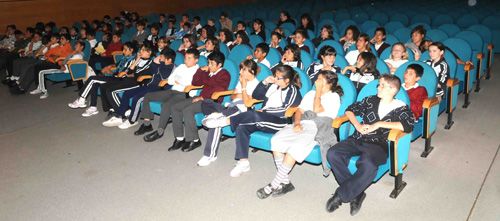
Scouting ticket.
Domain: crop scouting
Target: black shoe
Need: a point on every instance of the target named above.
(333, 203)
(283, 189)
(143, 129)
(152, 136)
(189, 146)
(6, 81)
(176, 145)
(11, 83)
(261, 193)
(17, 90)
(356, 203)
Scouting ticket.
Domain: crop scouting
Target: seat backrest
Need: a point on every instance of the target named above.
(474, 39)
(391, 39)
(224, 49)
(179, 59)
(304, 80)
(382, 67)
(274, 56)
(86, 51)
(264, 72)
(288, 26)
(341, 61)
(400, 18)
(441, 19)
(78, 69)
(450, 29)
(482, 30)
(175, 44)
(403, 34)
(349, 93)
(240, 53)
(310, 45)
(436, 35)
(306, 59)
(371, 89)
(392, 26)
(202, 61)
(255, 39)
(335, 44)
(421, 18)
(380, 17)
(346, 23)
(428, 79)
(234, 71)
(467, 20)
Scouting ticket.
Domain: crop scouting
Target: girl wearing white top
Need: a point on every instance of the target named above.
(398, 57)
(295, 142)
(241, 94)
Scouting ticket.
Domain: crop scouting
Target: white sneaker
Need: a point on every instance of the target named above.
(44, 95)
(216, 122)
(205, 161)
(127, 113)
(126, 125)
(211, 116)
(241, 167)
(36, 91)
(78, 103)
(113, 122)
(90, 111)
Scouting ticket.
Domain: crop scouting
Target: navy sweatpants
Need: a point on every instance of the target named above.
(132, 99)
(370, 157)
(248, 122)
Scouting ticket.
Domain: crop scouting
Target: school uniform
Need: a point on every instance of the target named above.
(352, 57)
(236, 106)
(315, 67)
(140, 37)
(293, 64)
(381, 47)
(305, 48)
(183, 122)
(371, 148)
(270, 120)
(442, 72)
(180, 77)
(394, 63)
(264, 61)
(417, 95)
(41, 74)
(360, 79)
(300, 144)
(261, 33)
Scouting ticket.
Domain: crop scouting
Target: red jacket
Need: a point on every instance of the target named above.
(112, 47)
(218, 82)
(417, 96)
(61, 51)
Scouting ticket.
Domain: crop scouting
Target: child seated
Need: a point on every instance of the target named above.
(378, 40)
(260, 54)
(416, 92)
(398, 57)
(440, 66)
(363, 71)
(299, 37)
(275, 41)
(380, 113)
(350, 37)
(327, 56)
(291, 57)
(362, 45)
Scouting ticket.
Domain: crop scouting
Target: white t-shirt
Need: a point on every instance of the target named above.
(384, 109)
(330, 102)
(264, 62)
(394, 63)
(352, 57)
(183, 76)
(251, 85)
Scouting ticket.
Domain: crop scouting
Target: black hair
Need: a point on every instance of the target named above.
(370, 62)
(169, 53)
(216, 56)
(191, 38)
(263, 46)
(310, 23)
(277, 35)
(251, 65)
(194, 52)
(12, 26)
(17, 32)
(141, 23)
(66, 36)
(155, 26)
(82, 43)
(302, 32)
(355, 32)
(333, 79)
(197, 18)
(90, 32)
(261, 23)
(131, 45)
(228, 34)
(148, 46)
(224, 14)
(419, 29)
(214, 41)
(295, 50)
(242, 23)
(244, 37)
(380, 29)
(439, 45)
(288, 73)
(326, 51)
(187, 24)
(419, 70)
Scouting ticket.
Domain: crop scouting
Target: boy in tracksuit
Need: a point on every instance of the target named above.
(160, 70)
(380, 114)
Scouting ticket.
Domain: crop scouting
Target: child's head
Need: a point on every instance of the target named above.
(351, 33)
(64, 39)
(327, 32)
(362, 43)
(129, 48)
(418, 34)
(185, 17)
(79, 46)
(330, 81)
(300, 36)
(292, 53)
(215, 61)
(162, 43)
(54, 38)
(398, 52)
(191, 57)
(189, 41)
(196, 20)
(413, 74)
(275, 37)
(167, 56)
(436, 51)
(90, 35)
(284, 15)
(37, 36)
(186, 27)
(223, 16)
(154, 29)
(146, 50)
(116, 37)
(225, 35)
(285, 75)
(258, 25)
(240, 26)
(261, 51)
(73, 31)
(367, 62)
(212, 44)
(242, 38)
(249, 69)
(379, 34)
(305, 20)
(83, 33)
(388, 86)
(327, 55)
(140, 25)
(211, 22)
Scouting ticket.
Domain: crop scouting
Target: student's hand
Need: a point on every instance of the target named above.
(297, 128)
(63, 68)
(249, 57)
(270, 80)
(417, 56)
(196, 99)
(368, 128)
(388, 65)
(204, 68)
(319, 85)
(342, 39)
(157, 60)
(243, 82)
(349, 68)
(372, 41)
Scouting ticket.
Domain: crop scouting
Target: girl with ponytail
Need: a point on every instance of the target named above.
(311, 125)
(278, 93)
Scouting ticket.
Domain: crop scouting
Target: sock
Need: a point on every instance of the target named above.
(179, 138)
(278, 162)
(147, 123)
(196, 140)
(160, 131)
(281, 176)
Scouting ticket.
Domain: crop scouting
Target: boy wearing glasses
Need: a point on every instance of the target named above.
(379, 113)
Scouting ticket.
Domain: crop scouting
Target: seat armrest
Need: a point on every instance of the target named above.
(218, 94)
(291, 111)
(144, 77)
(337, 122)
(191, 87)
(252, 102)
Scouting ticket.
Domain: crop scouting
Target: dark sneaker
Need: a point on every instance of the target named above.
(261, 193)
(176, 145)
(333, 203)
(143, 129)
(283, 189)
(356, 203)
(152, 136)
